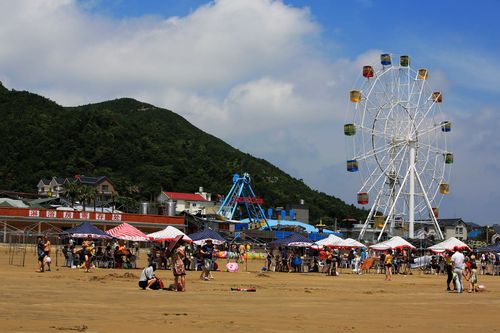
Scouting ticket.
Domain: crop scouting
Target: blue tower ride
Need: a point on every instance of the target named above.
(242, 200)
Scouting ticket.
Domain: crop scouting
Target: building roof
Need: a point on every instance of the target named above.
(450, 222)
(91, 180)
(184, 196)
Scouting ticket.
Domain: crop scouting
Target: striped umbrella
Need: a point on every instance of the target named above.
(127, 232)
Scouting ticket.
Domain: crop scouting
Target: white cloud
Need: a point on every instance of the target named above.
(251, 72)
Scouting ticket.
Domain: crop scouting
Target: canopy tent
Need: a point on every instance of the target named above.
(329, 241)
(199, 238)
(395, 242)
(350, 244)
(294, 240)
(491, 248)
(84, 230)
(168, 234)
(127, 232)
(449, 245)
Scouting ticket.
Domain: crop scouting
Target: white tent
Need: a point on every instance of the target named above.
(329, 241)
(448, 245)
(350, 243)
(168, 234)
(395, 242)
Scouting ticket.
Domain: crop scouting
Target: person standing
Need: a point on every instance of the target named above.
(46, 250)
(40, 254)
(449, 270)
(458, 265)
(388, 265)
(178, 267)
(207, 251)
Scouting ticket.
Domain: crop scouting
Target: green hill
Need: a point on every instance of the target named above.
(135, 144)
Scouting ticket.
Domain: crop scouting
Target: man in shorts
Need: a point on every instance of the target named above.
(207, 251)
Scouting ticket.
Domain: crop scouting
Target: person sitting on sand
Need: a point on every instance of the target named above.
(148, 280)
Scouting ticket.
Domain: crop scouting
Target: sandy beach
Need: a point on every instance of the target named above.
(109, 300)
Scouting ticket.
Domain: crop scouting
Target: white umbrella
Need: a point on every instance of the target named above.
(350, 243)
(168, 234)
(395, 242)
(448, 245)
(329, 241)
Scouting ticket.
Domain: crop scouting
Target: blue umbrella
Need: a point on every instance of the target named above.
(490, 248)
(292, 240)
(207, 234)
(84, 230)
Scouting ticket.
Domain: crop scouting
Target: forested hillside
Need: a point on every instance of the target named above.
(140, 147)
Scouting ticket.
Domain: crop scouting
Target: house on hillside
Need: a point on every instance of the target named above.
(51, 187)
(453, 228)
(55, 187)
(193, 203)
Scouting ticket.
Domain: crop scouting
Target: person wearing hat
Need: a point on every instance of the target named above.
(473, 275)
(207, 251)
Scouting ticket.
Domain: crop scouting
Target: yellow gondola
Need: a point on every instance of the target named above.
(444, 188)
(422, 74)
(355, 96)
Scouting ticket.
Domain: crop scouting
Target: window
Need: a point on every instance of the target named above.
(105, 188)
(459, 230)
(193, 204)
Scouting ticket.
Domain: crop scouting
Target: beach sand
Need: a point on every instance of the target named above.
(109, 300)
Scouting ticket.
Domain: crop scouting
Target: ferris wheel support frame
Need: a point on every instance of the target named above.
(411, 205)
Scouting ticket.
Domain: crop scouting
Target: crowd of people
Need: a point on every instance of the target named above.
(461, 269)
(105, 254)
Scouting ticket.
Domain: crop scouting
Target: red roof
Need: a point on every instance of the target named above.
(184, 196)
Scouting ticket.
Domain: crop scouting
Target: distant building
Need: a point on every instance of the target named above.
(55, 187)
(51, 187)
(192, 203)
(453, 228)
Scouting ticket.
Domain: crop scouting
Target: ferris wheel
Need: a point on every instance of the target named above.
(396, 140)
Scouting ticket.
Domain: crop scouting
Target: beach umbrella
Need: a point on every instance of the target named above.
(448, 245)
(491, 248)
(168, 234)
(199, 238)
(395, 242)
(128, 232)
(294, 240)
(84, 230)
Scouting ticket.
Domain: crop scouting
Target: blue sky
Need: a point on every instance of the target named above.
(282, 68)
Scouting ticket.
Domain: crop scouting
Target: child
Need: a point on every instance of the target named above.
(473, 275)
